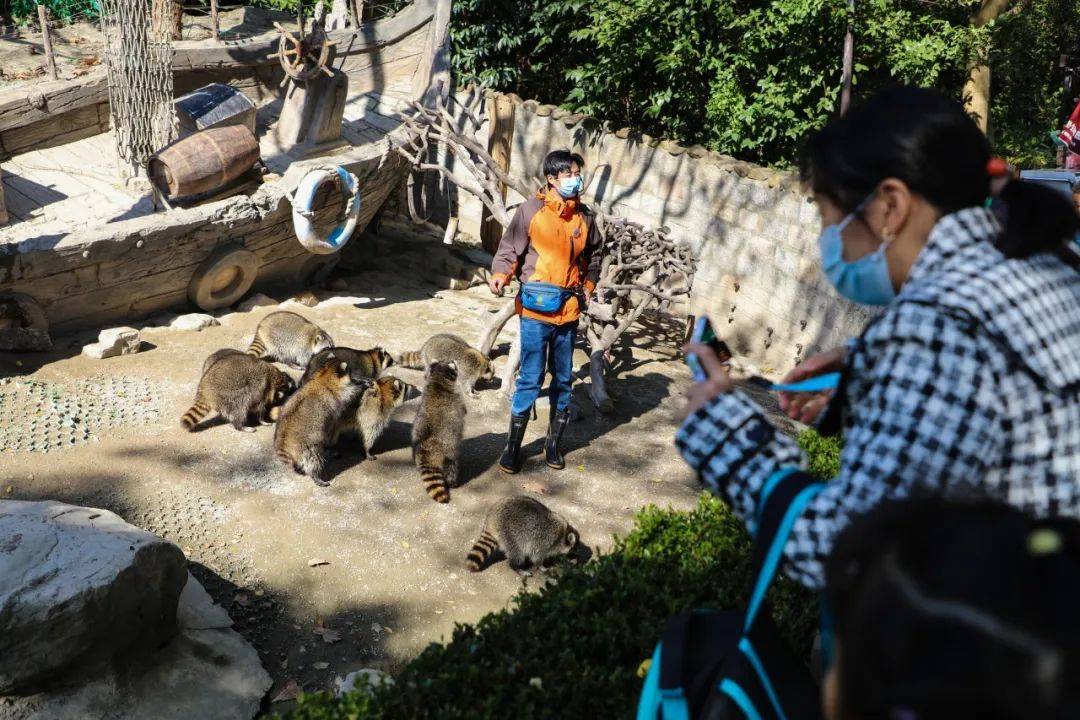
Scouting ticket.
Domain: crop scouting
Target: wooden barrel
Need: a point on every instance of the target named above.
(205, 161)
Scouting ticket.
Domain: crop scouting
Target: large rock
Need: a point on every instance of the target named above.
(193, 321)
(78, 587)
(114, 342)
(208, 672)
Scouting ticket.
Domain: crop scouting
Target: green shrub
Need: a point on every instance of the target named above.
(26, 10)
(574, 647)
(823, 452)
(753, 77)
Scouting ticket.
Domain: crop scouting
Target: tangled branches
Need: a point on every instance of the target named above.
(642, 269)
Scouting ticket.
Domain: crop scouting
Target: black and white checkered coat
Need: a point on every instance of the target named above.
(968, 383)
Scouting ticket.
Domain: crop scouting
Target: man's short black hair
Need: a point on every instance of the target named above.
(558, 161)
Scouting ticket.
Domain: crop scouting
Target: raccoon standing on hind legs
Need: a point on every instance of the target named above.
(471, 364)
(437, 431)
(370, 414)
(529, 534)
(308, 422)
(288, 338)
(240, 388)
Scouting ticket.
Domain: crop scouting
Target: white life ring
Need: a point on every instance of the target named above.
(303, 214)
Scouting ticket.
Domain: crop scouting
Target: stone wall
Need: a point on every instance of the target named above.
(753, 228)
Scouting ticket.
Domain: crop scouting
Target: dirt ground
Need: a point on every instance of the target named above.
(394, 578)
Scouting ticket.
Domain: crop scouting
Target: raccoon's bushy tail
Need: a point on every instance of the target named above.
(481, 551)
(257, 347)
(195, 414)
(435, 483)
(411, 359)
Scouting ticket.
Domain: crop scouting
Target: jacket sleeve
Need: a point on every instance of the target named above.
(514, 243)
(594, 255)
(928, 421)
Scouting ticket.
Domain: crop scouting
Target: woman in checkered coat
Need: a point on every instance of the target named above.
(968, 382)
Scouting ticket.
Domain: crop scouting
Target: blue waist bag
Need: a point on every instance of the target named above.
(544, 297)
(734, 665)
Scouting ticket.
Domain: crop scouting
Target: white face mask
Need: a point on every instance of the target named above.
(570, 187)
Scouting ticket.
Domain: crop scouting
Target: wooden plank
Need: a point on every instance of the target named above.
(46, 100)
(74, 125)
(39, 169)
(18, 203)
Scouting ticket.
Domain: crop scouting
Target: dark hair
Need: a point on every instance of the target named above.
(926, 140)
(949, 610)
(558, 161)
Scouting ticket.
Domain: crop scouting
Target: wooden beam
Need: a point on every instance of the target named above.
(3, 207)
(214, 24)
(500, 142)
(50, 59)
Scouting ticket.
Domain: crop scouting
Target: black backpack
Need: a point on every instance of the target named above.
(723, 665)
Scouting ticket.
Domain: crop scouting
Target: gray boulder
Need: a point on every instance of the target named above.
(78, 587)
(208, 672)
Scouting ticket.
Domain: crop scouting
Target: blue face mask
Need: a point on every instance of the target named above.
(570, 187)
(866, 280)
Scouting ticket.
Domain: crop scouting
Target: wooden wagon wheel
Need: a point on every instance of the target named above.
(305, 57)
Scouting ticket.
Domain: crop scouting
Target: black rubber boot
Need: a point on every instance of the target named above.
(556, 425)
(510, 462)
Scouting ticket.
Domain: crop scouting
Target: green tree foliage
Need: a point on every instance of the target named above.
(753, 77)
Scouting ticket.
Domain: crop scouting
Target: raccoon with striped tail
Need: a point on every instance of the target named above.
(371, 362)
(288, 338)
(240, 388)
(308, 422)
(369, 415)
(437, 431)
(528, 532)
(472, 365)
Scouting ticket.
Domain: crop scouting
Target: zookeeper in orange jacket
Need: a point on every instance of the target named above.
(550, 241)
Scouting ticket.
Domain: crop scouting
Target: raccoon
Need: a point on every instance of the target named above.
(288, 338)
(372, 362)
(242, 389)
(472, 365)
(309, 419)
(527, 531)
(437, 431)
(369, 415)
(217, 355)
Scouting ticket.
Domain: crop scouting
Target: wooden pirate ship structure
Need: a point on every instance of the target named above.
(90, 251)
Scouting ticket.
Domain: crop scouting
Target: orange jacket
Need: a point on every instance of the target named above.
(551, 240)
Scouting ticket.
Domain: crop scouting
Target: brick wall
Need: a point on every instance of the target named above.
(753, 228)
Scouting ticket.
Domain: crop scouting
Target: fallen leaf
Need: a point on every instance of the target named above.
(241, 599)
(316, 562)
(534, 487)
(260, 593)
(9, 489)
(405, 544)
(291, 691)
(320, 665)
(328, 636)
(643, 668)
(581, 468)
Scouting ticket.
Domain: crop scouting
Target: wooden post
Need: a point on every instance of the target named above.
(214, 19)
(500, 137)
(49, 58)
(3, 208)
(300, 19)
(849, 61)
(358, 12)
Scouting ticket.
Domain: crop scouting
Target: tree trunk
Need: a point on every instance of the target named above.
(977, 87)
(500, 136)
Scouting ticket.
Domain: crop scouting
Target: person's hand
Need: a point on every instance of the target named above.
(717, 382)
(805, 407)
(496, 283)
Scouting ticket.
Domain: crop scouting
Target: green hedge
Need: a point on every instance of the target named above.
(574, 648)
(823, 453)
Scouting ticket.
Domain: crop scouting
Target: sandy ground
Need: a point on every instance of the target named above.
(395, 579)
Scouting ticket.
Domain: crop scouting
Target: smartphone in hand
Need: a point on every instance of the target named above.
(705, 335)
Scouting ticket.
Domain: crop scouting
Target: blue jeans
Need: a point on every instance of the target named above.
(544, 344)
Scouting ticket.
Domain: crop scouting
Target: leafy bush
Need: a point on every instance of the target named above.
(753, 77)
(574, 647)
(823, 452)
(22, 10)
